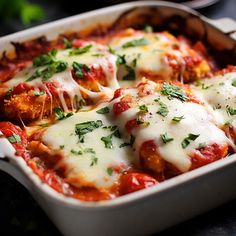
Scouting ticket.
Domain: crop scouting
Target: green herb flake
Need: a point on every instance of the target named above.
(111, 50)
(9, 92)
(60, 114)
(61, 147)
(67, 43)
(166, 138)
(201, 145)
(109, 171)
(45, 59)
(163, 109)
(44, 125)
(173, 91)
(177, 119)
(86, 127)
(15, 138)
(94, 161)
(79, 69)
(231, 111)
(130, 73)
(135, 43)
(120, 60)
(234, 83)
(143, 108)
(89, 150)
(131, 142)
(76, 152)
(187, 140)
(79, 51)
(39, 93)
(103, 110)
(107, 141)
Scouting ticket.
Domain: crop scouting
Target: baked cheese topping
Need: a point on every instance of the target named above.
(148, 53)
(194, 121)
(219, 95)
(94, 158)
(94, 56)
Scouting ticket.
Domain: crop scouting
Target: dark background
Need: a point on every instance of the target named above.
(20, 214)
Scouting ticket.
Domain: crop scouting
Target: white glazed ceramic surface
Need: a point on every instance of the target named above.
(140, 213)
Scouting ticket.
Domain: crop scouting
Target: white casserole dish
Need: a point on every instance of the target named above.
(147, 211)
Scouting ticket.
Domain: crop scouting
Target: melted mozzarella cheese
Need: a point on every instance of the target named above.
(150, 57)
(219, 95)
(80, 170)
(196, 121)
(97, 57)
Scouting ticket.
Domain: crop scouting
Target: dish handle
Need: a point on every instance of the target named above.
(8, 162)
(226, 25)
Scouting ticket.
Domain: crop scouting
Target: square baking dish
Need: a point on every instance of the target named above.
(151, 210)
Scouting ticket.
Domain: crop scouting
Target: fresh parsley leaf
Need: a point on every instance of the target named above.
(188, 139)
(94, 161)
(130, 73)
(15, 138)
(9, 92)
(67, 43)
(143, 108)
(103, 110)
(44, 125)
(39, 93)
(177, 119)
(61, 147)
(76, 152)
(107, 141)
(131, 142)
(79, 69)
(234, 83)
(163, 110)
(166, 138)
(45, 59)
(89, 150)
(111, 50)
(60, 114)
(231, 111)
(86, 127)
(111, 128)
(135, 43)
(49, 71)
(173, 91)
(109, 171)
(120, 60)
(79, 51)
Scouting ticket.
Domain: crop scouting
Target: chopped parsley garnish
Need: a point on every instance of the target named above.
(86, 127)
(143, 108)
(103, 110)
(109, 171)
(79, 102)
(111, 128)
(187, 140)
(205, 87)
(111, 50)
(173, 91)
(148, 29)
(135, 43)
(39, 93)
(231, 111)
(94, 160)
(107, 141)
(45, 59)
(120, 60)
(60, 114)
(79, 51)
(49, 71)
(61, 147)
(166, 138)
(177, 119)
(130, 73)
(89, 150)
(76, 152)
(98, 55)
(201, 145)
(234, 83)
(79, 69)
(15, 138)
(131, 142)
(163, 110)
(67, 43)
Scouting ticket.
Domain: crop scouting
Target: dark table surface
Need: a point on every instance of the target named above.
(20, 214)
